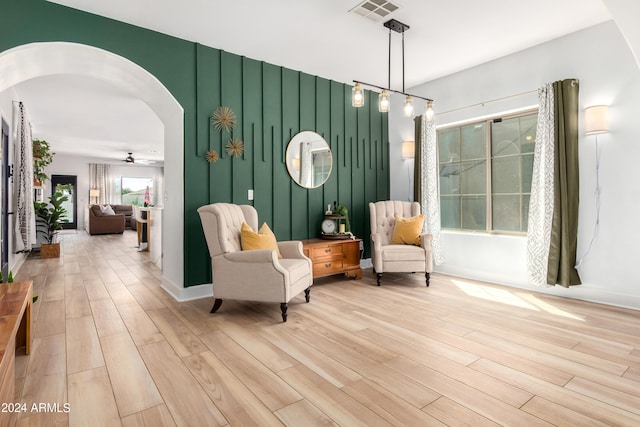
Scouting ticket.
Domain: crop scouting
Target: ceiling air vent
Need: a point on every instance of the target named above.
(375, 10)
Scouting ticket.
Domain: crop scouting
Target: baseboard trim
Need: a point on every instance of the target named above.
(182, 294)
(584, 292)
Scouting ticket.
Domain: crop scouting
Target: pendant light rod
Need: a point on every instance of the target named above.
(402, 62)
(391, 90)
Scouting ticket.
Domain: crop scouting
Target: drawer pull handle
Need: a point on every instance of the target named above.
(328, 265)
(327, 250)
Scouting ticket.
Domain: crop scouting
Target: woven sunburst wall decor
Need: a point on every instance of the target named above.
(224, 119)
(212, 156)
(235, 147)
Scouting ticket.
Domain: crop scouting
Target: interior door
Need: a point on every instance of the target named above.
(66, 184)
(4, 201)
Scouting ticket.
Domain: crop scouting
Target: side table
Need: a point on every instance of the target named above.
(334, 257)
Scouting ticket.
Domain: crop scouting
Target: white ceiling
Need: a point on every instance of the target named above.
(318, 37)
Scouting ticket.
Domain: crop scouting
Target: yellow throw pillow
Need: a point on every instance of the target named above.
(263, 239)
(407, 230)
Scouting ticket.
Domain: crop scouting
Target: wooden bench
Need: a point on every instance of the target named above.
(15, 332)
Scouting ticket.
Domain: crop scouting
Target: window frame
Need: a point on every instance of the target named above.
(489, 158)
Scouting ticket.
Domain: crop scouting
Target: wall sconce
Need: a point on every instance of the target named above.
(94, 193)
(408, 150)
(296, 163)
(596, 119)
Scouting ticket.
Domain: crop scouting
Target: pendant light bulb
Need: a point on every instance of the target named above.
(429, 112)
(383, 102)
(357, 96)
(408, 106)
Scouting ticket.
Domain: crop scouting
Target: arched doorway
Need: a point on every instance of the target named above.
(42, 59)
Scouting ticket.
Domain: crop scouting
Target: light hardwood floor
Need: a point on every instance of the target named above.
(110, 343)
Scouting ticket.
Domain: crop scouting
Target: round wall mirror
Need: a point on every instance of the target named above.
(309, 159)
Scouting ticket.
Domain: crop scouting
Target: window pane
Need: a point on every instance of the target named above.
(474, 143)
(506, 213)
(450, 212)
(528, 132)
(527, 172)
(505, 137)
(505, 175)
(450, 178)
(474, 212)
(135, 191)
(449, 145)
(525, 212)
(473, 177)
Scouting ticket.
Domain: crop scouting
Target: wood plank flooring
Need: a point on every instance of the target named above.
(118, 350)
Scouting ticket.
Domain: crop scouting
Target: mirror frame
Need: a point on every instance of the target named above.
(294, 143)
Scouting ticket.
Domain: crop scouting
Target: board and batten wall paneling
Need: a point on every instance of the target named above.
(272, 104)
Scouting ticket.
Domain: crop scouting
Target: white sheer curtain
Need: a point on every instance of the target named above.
(429, 199)
(99, 179)
(25, 222)
(542, 191)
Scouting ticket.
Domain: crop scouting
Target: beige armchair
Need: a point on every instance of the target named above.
(397, 258)
(255, 275)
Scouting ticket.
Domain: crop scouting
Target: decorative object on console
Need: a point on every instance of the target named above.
(357, 94)
(224, 119)
(235, 147)
(212, 156)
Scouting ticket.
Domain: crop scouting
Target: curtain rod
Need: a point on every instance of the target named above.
(481, 104)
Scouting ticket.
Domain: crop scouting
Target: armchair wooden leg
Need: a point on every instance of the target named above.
(283, 308)
(216, 305)
(428, 277)
(307, 291)
(378, 278)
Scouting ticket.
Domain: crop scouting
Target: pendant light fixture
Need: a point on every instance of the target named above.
(384, 104)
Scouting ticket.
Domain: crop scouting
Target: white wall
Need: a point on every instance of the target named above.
(64, 164)
(601, 59)
(6, 112)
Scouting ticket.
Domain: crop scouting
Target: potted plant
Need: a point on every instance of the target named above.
(42, 157)
(49, 219)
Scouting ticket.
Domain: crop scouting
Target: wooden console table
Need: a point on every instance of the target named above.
(334, 257)
(15, 332)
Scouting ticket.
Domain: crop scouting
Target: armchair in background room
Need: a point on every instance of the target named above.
(253, 275)
(411, 256)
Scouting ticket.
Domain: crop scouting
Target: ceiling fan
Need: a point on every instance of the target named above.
(131, 160)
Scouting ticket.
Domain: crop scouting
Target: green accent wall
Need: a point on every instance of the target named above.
(271, 103)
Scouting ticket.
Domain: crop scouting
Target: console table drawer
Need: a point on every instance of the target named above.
(329, 251)
(327, 267)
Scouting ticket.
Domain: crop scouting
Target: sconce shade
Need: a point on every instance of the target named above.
(408, 150)
(429, 112)
(596, 119)
(94, 192)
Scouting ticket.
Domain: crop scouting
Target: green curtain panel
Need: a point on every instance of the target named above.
(564, 232)
(417, 160)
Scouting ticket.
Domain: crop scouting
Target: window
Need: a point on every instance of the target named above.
(135, 191)
(485, 173)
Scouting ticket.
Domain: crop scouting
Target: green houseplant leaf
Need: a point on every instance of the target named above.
(50, 216)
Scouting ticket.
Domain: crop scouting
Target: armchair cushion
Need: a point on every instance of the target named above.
(407, 230)
(263, 239)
